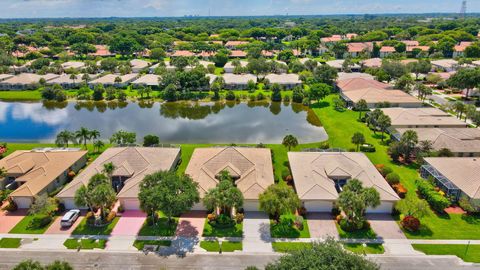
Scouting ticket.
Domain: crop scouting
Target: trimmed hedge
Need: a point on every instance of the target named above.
(433, 197)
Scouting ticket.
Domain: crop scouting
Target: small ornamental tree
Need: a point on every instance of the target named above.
(224, 196)
(279, 200)
(290, 141)
(413, 209)
(358, 139)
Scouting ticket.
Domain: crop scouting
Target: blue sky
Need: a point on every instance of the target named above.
(148, 8)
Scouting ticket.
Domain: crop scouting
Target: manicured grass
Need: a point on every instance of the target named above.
(139, 244)
(85, 243)
(162, 228)
(10, 242)
(227, 246)
(279, 230)
(359, 234)
(27, 95)
(369, 249)
(84, 229)
(472, 254)
(340, 127)
(22, 227)
(286, 247)
(235, 231)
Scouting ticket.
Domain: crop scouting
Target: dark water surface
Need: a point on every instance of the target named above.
(185, 122)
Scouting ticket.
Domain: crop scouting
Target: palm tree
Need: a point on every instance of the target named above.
(86, 77)
(64, 137)
(358, 139)
(83, 135)
(97, 145)
(108, 169)
(73, 77)
(290, 141)
(94, 134)
(383, 122)
(148, 91)
(361, 106)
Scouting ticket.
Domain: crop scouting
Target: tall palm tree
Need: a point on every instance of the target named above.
(64, 138)
(86, 77)
(97, 145)
(108, 169)
(94, 134)
(83, 135)
(73, 77)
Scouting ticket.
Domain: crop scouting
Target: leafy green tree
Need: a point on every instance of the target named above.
(279, 200)
(98, 145)
(319, 91)
(361, 106)
(169, 192)
(224, 196)
(81, 49)
(404, 83)
(170, 93)
(290, 141)
(64, 138)
(473, 51)
(124, 45)
(358, 139)
(325, 74)
(150, 140)
(419, 67)
(29, 265)
(157, 54)
(276, 92)
(98, 91)
(465, 79)
(394, 69)
(323, 255)
(220, 59)
(122, 137)
(408, 142)
(43, 205)
(59, 265)
(97, 194)
(354, 201)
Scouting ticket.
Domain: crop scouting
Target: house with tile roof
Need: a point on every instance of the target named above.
(25, 81)
(250, 168)
(320, 176)
(39, 171)
(132, 164)
(422, 118)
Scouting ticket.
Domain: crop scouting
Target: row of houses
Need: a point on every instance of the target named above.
(318, 177)
(25, 81)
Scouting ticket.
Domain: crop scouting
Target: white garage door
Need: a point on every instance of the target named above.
(198, 207)
(22, 203)
(318, 206)
(130, 204)
(250, 206)
(384, 207)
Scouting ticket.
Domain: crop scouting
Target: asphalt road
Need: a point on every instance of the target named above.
(103, 260)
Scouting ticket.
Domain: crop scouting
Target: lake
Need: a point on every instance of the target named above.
(180, 122)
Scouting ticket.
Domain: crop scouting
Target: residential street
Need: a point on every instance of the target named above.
(95, 260)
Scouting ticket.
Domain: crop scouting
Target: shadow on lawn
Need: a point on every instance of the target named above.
(320, 105)
(471, 219)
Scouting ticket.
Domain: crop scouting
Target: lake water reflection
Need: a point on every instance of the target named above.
(186, 122)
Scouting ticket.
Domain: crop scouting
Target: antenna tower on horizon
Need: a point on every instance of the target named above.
(463, 10)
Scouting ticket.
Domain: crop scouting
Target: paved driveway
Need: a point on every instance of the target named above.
(191, 224)
(322, 225)
(9, 220)
(130, 223)
(55, 228)
(385, 226)
(256, 232)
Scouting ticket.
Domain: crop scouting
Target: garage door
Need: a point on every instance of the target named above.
(23, 203)
(198, 207)
(130, 204)
(250, 206)
(69, 204)
(384, 207)
(318, 206)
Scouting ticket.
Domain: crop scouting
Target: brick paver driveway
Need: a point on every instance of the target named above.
(321, 225)
(191, 224)
(130, 223)
(55, 228)
(9, 220)
(385, 226)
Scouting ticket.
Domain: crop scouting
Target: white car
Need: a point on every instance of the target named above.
(69, 218)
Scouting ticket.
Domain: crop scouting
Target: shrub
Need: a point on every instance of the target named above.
(285, 173)
(111, 216)
(239, 218)
(39, 222)
(393, 178)
(324, 145)
(302, 211)
(211, 217)
(400, 190)
(347, 226)
(4, 195)
(465, 204)
(369, 148)
(121, 209)
(286, 99)
(299, 222)
(289, 179)
(386, 171)
(287, 220)
(410, 223)
(436, 200)
(338, 218)
(223, 221)
(260, 96)
(230, 96)
(11, 206)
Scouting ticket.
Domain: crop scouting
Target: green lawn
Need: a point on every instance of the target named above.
(139, 244)
(359, 234)
(472, 254)
(286, 247)
(26, 95)
(209, 230)
(340, 127)
(85, 243)
(84, 229)
(22, 227)
(369, 249)
(10, 242)
(162, 228)
(279, 230)
(227, 246)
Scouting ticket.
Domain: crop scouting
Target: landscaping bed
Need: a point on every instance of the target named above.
(85, 243)
(10, 242)
(140, 244)
(84, 229)
(161, 228)
(287, 229)
(366, 233)
(470, 254)
(230, 231)
(227, 246)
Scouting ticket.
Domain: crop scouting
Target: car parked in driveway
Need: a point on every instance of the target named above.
(69, 218)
